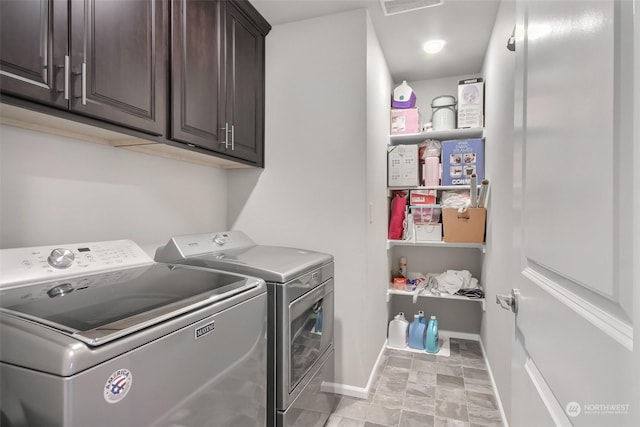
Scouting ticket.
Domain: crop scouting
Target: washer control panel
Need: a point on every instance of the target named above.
(31, 265)
(199, 244)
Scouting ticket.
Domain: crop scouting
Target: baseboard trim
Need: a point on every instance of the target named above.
(353, 391)
(493, 384)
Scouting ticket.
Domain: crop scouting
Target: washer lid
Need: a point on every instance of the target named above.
(100, 308)
(271, 263)
(234, 251)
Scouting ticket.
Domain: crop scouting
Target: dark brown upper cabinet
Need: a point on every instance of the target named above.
(196, 84)
(33, 46)
(118, 61)
(113, 66)
(245, 31)
(217, 62)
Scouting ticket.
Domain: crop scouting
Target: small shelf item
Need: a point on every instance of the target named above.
(441, 135)
(392, 291)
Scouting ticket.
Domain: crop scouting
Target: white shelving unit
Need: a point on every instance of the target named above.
(441, 135)
(435, 244)
(408, 139)
(391, 291)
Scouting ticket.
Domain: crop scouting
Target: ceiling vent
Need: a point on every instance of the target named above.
(393, 7)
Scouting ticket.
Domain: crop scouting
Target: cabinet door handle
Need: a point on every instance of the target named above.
(67, 76)
(84, 83)
(226, 135)
(233, 137)
(83, 76)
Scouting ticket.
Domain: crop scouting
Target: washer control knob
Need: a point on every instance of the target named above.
(60, 290)
(61, 258)
(220, 239)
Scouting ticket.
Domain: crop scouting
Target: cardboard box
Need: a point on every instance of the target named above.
(471, 103)
(460, 159)
(428, 232)
(466, 227)
(403, 166)
(405, 120)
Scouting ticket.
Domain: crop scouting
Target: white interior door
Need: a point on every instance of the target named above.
(573, 356)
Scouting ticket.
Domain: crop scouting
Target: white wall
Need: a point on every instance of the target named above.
(313, 190)
(379, 86)
(636, 216)
(498, 326)
(56, 190)
(636, 208)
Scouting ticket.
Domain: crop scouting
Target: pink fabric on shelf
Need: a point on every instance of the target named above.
(396, 225)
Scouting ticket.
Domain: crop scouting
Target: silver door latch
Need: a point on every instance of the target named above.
(509, 302)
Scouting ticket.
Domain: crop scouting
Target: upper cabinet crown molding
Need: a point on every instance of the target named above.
(253, 15)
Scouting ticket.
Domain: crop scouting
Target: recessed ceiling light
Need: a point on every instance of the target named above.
(433, 46)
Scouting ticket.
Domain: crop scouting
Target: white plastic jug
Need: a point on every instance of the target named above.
(398, 331)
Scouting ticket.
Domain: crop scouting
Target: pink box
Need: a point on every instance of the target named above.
(405, 120)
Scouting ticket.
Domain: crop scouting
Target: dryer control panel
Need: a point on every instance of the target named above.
(189, 245)
(31, 265)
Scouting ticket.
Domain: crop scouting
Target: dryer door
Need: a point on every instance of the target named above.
(308, 334)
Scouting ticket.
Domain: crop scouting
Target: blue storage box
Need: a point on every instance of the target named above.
(460, 159)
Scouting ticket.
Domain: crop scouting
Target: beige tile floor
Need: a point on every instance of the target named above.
(420, 390)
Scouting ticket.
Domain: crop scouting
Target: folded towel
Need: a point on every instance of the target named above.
(452, 281)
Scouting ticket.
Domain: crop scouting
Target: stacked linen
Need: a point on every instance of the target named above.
(452, 281)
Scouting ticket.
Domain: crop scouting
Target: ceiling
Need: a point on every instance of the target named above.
(465, 24)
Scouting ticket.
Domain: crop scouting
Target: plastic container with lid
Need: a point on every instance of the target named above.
(403, 96)
(443, 115)
(398, 331)
(416, 333)
(432, 343)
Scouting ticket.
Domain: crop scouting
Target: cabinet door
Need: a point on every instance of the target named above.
(33, 45)
(118, 56)
(244, 84)
(196, 66)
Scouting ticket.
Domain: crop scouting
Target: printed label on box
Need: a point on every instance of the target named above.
(461, 159)
(423, 197)
(405, 120)
(471, 103)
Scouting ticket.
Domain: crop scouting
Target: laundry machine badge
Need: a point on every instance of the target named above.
(118, 385)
